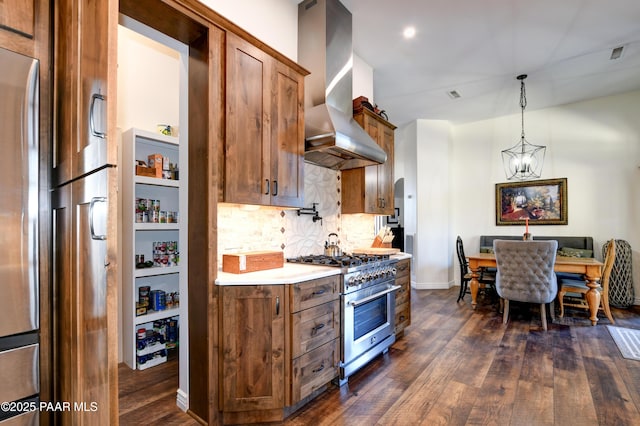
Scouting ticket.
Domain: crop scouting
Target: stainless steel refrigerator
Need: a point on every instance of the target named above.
(19, 274)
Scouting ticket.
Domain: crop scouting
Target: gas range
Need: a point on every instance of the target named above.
(358, 270)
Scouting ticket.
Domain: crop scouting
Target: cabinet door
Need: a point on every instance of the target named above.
(385, 171)
(81, 46)
(287, 137)
(247, 165)
(253, 333)
(17, 16)
(85, 360)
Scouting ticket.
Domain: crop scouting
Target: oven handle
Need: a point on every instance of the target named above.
(375, 296)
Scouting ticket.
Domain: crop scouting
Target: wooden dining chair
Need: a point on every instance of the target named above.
(525, 273)
(573, 292)
(485, 278)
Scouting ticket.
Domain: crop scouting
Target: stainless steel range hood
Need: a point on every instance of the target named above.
(332, 137)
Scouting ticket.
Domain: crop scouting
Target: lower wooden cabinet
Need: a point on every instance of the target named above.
(280, 344)
(253, 349)
(403, 296)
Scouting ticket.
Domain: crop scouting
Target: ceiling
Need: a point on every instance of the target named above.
(478, 47)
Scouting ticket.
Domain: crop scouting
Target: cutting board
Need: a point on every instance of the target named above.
(374, 250)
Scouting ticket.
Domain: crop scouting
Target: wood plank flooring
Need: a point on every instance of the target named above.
(457, 366)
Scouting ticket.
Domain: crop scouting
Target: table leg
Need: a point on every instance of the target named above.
(474, 285)
(593, 299)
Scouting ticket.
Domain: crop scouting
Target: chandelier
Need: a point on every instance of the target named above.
(523, 160)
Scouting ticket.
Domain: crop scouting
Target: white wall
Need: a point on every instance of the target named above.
(274, 22)
(594, 144)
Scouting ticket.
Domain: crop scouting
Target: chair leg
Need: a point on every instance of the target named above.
(560, 299)
(543, 316)
(463, 290)
(505, 315)
(605, 307)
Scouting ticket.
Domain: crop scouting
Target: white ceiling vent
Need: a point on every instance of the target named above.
(453, 94)
(616, 53)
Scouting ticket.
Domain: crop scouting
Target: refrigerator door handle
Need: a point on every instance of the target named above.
(92, 126)
(95, 200)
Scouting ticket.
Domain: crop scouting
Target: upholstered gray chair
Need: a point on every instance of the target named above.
(525, 273)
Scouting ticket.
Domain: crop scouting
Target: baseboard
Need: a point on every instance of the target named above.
(430, 286)
(182, 400)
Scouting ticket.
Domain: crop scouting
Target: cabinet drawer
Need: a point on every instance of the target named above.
(313, 370)
(403, 294)
(403, 267)
(307, 294)
(314, 327)
(403, 316)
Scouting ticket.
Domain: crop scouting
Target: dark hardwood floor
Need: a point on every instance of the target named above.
(457, 366)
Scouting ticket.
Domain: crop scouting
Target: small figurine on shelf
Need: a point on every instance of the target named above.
(527, 236)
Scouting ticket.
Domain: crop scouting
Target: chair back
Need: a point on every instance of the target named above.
(525, 270)
(462, 259)
(609, 259)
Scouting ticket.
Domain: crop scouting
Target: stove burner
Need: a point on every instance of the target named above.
(340, 261)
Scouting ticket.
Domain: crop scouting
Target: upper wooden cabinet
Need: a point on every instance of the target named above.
(370, 189)
(18, 16)
(264, 145)
(81, 65)
(24, 29)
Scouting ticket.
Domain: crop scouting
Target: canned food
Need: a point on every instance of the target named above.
(171, 217)
(171, 261)
(171, 247)
(155, 205)
(139, 217)
(145, 216)
(163, 216)
(141, 205)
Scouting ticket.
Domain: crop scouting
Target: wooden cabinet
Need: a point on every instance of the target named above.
(403, 296)
(264, 147)
(315, 335)
(24, 28)
(82, 51)
(280, 344)
(253, 359)
(85, 345)
(18, 16)
(370, 189)
(85, 273)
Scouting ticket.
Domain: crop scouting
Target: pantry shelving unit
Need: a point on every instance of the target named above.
(168, 272)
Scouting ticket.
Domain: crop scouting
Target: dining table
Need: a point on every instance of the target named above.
(587, 266)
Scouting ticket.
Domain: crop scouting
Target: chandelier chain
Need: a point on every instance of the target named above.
(523, 104)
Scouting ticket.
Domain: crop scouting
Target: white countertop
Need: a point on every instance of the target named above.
(290, 273)
(401, 256)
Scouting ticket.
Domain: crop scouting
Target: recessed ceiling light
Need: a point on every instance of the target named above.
(409, 32)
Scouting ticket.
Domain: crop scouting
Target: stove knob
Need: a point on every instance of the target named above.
(393, 272)
(351, 282)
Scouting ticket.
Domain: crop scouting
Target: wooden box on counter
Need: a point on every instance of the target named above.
(240, 263)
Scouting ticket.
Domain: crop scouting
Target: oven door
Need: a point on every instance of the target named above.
(368, 320)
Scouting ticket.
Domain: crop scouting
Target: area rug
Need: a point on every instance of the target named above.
(627, 340)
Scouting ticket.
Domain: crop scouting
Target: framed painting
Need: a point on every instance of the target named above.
(542, 202)
(394, 218)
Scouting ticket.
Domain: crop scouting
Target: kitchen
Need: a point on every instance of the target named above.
(442, 273)
(242, 228)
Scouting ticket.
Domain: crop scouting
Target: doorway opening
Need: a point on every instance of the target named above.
(153, 103)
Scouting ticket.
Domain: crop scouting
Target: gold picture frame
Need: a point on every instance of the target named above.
(543, 202)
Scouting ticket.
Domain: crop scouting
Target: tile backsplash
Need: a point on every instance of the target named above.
(249, 228)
